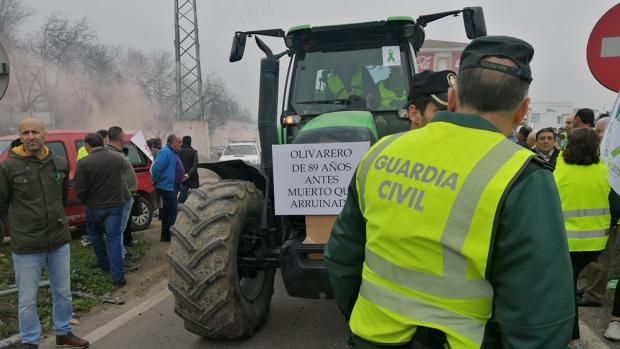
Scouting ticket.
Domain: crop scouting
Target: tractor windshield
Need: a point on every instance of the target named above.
(323, 81)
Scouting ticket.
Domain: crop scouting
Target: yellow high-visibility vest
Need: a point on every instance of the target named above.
(584, 193)
(430, 213)
(337, 88)
(82, 153)
(389, 97)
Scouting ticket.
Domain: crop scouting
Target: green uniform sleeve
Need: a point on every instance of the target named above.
(344, 253)
(530, 269)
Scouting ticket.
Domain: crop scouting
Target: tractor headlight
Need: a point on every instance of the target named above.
(292, 119)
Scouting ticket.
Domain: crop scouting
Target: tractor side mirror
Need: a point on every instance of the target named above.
(418, 38)
(473, 18)
(238, 47)
(4, 71)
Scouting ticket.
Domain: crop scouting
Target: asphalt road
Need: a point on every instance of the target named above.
(292, 323)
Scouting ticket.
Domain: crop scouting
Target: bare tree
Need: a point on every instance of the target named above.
(59, 39)
(62, 67)
(26, 74)
(12, 14)
(220, 105)
(154, 75)
(59, 48)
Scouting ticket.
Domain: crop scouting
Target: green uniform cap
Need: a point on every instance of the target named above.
(517, 50)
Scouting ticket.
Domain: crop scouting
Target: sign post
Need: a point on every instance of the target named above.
(603, 50)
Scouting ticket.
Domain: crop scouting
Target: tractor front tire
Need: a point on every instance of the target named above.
(211, 293)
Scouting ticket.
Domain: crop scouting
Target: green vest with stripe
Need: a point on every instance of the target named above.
(584, 193)
(430, 198)
(338, 89)
(389, 97)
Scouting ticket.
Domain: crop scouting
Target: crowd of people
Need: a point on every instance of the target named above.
(572, 152)
(488, 256)
(33, 189)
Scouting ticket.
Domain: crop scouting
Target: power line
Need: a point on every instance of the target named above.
(269, 9)
(223, 14)
(252, 14)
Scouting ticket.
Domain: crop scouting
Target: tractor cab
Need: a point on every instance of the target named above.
(356, 72)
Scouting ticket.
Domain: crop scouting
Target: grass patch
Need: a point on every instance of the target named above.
(83, 278)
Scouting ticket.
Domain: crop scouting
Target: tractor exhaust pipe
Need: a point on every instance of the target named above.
(267, 115)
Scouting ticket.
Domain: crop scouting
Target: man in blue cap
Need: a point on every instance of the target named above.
(434, 247)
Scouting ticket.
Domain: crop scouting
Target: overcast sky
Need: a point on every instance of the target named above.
(558, 30)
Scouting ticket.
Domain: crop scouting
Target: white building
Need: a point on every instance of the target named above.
(548, 114)
(439, 55)
(552, 114)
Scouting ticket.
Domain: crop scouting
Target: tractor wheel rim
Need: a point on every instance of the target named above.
(251, 287)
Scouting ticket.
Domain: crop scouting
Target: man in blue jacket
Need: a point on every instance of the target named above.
(167, 173)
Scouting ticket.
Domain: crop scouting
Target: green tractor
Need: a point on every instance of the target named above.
(344, 83)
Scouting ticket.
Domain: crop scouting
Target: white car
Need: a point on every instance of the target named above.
(246, 151)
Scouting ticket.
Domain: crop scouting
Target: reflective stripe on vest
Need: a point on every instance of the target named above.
(414, 308)
(598, 233)
(584, 192)
(452, 284)
(586, 212)
(389, 97)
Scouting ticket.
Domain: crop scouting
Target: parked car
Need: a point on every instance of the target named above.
(246, 151)
(66, 144)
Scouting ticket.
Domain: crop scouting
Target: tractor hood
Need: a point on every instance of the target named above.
(341, 126)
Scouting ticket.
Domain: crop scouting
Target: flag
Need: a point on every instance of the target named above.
(139, 140)
(610, 146)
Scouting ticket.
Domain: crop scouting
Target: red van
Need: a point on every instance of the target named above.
(66, 144)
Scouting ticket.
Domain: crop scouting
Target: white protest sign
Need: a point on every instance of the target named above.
(313, 179)
(610, 146)
(140, 142)
(391, 55)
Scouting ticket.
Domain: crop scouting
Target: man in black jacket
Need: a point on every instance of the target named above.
(99, 184)
(189, 158)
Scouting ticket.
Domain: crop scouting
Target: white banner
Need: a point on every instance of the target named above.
(313, 179)
(610, 146)
(140, 142)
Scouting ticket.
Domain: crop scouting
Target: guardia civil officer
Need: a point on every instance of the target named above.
(435, 242)
(428, 94)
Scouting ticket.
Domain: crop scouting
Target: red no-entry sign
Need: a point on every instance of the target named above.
(603, 50)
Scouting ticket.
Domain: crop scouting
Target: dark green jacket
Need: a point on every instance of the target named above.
(32, 193)
(529, 265)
